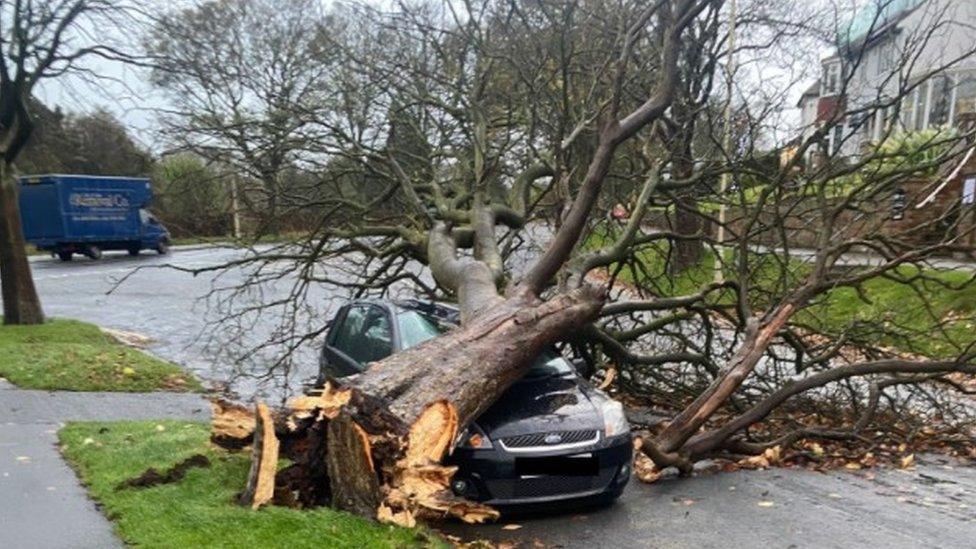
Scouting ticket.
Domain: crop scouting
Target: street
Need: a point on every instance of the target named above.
(168, 306)
(934, 505)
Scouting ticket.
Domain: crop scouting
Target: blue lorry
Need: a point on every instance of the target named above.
(69, 214)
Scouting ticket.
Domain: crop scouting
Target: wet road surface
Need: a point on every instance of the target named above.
(931, 506)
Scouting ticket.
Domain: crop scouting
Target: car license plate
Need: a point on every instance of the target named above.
(576, 465)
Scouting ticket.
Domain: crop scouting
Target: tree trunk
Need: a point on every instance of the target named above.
(20, 302)
(687, 252)
(374, 446)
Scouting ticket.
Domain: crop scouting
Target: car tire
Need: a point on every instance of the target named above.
(162, 247)
(65, 256)
(134, 250)
(93, 252)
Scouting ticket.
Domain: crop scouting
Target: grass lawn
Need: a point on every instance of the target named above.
(935, 318)
(199, 510)
(76, 356)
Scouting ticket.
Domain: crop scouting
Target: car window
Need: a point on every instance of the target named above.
(415, 328)
(550, 363)
(365, 334)
(377, 341)
(349, 331)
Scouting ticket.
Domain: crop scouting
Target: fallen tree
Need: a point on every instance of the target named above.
(480, 129)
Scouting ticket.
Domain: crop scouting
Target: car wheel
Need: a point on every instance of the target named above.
(162, 248)
(65, 256)
(93, 252)
(134, 250)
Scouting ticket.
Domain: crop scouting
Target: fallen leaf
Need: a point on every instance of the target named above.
(853, 466)
(23, 459)
(88, 441)
(160, 428)
(765, 504)
(608, 379)
(907, 462)
(511, 527)
(834, 495)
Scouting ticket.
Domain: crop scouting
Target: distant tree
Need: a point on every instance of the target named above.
(40, 41)
(93, 143)
(191, 197)
(244, 82)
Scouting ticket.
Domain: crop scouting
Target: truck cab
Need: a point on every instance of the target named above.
(154, 234)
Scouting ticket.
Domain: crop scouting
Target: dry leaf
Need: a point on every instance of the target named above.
(765, 504)
(907, 462)
(511, 527)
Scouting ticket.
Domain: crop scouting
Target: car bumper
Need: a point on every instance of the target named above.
(492, 476)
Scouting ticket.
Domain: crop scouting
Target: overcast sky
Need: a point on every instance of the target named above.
(125, 92)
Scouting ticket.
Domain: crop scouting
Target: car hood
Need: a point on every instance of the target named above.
(541, 405)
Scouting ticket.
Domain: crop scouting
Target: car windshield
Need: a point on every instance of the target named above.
(416, 328)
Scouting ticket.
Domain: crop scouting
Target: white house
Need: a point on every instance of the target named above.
(921, 50)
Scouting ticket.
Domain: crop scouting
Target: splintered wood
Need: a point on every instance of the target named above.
(421, 485)
(232, 426)
(264, 460)
(415, 486)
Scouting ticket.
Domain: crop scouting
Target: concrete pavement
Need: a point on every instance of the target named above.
(42, 505)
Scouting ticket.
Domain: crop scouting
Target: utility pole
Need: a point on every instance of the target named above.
(726, 142)
(234, 210)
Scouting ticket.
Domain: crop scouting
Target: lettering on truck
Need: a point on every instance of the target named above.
(97, 200)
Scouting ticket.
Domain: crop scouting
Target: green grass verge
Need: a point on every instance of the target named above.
(76, 356)
(199, 510)
(933, 315)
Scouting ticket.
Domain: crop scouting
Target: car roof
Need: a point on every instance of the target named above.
(442, 311)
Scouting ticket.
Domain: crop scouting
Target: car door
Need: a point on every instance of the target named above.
(364, 334)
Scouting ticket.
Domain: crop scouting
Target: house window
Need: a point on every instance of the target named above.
(964, 95)
(907, 117)
(940, 96)
(887, 57)
(969, 189)
(921, 106)
(831, 79)
(836, 139)
(899, 200)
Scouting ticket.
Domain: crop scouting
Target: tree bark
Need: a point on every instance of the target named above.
(21, 304)
(686, 252)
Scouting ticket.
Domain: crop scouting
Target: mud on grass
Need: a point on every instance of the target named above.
(76, 356)
(199, 510)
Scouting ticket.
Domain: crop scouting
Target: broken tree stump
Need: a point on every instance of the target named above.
(264, 460)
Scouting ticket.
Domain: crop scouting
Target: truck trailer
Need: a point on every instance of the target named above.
(69, 214)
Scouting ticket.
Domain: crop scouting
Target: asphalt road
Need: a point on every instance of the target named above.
(172, 308)
(931, 506)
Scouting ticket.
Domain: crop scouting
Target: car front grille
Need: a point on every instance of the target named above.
(548, 486)
(538, 440)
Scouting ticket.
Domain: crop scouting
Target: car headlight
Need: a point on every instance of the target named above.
(473, 438)
(614, 420)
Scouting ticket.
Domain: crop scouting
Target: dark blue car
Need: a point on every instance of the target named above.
(551, 438)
